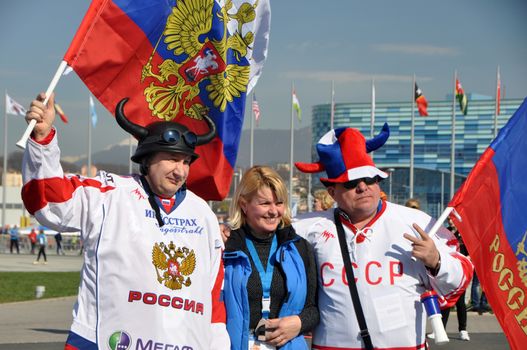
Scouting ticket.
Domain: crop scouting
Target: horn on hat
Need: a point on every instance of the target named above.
(205, 138)
(379, 140)
(310, 167)
(134, 129)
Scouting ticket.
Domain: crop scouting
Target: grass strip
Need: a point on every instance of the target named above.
(20, 286)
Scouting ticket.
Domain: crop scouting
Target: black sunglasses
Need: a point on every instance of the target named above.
(173, 136)
(354, 183)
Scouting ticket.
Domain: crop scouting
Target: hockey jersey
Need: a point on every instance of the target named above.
(389, 281)
(142, 286)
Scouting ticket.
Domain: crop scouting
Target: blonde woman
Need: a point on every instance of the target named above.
(270, 271)
(323, 200)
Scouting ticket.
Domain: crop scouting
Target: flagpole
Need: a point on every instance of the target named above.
(497, 102)
(372, 119)
(332, 120)
(292, 145)
(23, 140)
(4, 171)
(453, 144)
(89, 143)
(412, 131)
(251, 162)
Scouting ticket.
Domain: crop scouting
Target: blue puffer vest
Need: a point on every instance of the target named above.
(237, 271)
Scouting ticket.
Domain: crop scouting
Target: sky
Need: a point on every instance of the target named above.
(312, 43)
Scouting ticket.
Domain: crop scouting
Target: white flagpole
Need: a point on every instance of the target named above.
(4, 172)
(23, 140)
(372, 119)
(88, 173)
(498, 83)
(130, 154)
(251, 162)
(412, 132)
(453, 143)
(292, 147)
(332, 121)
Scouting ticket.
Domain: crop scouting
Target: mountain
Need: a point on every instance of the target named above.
(270, 147)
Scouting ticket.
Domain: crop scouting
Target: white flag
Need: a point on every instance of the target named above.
(13, 107)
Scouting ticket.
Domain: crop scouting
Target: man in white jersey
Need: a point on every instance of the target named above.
(392, 257)
(152, 273)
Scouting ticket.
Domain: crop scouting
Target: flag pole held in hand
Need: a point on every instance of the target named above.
(23, 140)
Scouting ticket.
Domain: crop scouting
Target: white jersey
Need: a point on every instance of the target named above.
(159, 286)
(389, 282)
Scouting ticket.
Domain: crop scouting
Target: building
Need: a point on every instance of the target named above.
(432, 142)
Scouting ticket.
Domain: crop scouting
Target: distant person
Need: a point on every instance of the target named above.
(478, 299)
(42, 244)
(413, 203)
(32, 239)
(323, 200)
(58, 242)
(14, 236)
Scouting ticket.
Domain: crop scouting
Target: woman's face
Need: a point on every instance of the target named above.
(263, 212)
(317, 205)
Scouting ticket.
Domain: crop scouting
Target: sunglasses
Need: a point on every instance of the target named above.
(350, 185)
(174, 136)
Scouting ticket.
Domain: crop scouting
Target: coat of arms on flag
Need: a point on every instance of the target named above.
(176, 61)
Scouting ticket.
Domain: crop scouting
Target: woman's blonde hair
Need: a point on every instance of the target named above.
(254, 179)
(325, 199)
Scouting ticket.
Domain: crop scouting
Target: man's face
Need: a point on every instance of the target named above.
(167, 172)
(359, 202)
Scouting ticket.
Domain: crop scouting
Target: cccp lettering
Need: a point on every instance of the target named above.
(374, 273)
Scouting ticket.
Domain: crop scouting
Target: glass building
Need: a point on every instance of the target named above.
(432, 142)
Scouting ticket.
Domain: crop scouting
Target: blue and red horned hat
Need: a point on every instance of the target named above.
(343, 154)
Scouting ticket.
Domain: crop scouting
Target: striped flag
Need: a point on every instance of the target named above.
(256, 109)
(61, 113)
(296, 106)
(420, 100)
(13, 107)
(461, 97)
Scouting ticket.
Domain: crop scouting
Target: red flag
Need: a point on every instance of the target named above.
(422, 103)
(61, 113)
(176, 61)
(491, 204)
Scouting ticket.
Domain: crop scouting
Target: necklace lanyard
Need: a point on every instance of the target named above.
(266, 275)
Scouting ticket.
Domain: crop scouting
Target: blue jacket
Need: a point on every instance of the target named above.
(237, 272)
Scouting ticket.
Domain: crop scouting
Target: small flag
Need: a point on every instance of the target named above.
(296, 106)
(13, 107)
(92, 112)
(420, 100)
(256, 109)
(61, 113)
(461, 97)
(498, 92)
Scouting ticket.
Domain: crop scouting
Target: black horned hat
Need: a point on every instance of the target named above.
(163, 136)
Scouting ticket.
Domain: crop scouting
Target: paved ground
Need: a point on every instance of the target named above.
(43, 324)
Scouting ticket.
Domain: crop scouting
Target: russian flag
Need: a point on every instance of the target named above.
(176, 60)
(492, 204)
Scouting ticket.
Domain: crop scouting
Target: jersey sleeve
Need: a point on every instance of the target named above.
(220, 337)
(58, 201)
(455, 271)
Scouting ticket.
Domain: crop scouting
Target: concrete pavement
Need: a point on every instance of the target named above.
(43, 324)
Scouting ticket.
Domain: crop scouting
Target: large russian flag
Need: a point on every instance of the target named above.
(492, 204)
(176, 60)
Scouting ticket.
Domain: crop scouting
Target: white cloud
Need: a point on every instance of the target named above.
(427, 50)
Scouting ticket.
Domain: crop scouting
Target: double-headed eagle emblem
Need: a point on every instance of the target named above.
(176, 265)
(199, 47)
